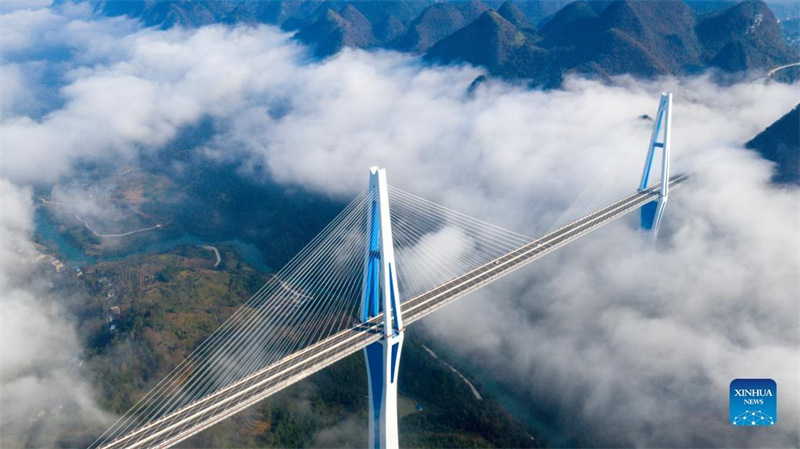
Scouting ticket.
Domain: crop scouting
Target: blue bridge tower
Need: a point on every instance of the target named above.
(653, 212)
(381, 295)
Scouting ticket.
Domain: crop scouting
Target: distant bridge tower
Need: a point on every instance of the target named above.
(381, 295)
(652, 212)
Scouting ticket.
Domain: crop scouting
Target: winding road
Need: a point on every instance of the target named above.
(158, 226)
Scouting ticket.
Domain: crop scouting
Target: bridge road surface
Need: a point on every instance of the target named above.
(207, 411)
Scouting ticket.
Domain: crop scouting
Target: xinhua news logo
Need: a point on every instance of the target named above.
(754, 402)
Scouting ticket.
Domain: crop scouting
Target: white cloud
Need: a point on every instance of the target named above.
(637, 345)
(12, 5)
(139, 98)
(43, 391)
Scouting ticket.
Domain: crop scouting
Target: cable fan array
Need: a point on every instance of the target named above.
(317, 295)
(612, 180)
(434, 244)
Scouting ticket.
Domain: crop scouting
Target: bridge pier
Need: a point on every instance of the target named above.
(381, 295)
(653, 212)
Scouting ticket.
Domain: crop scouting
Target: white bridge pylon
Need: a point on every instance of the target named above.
(653, 212)
(381, 295)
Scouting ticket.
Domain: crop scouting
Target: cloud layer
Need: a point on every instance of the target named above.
(631, 344)
(43, 391)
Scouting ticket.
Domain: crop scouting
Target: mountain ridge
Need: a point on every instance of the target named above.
(538, 40)
(780, 143)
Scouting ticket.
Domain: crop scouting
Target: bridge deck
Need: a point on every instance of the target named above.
(193, 418)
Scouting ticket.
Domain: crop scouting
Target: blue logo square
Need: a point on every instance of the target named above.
(754, 402)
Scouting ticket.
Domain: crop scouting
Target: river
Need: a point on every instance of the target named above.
(47, 230)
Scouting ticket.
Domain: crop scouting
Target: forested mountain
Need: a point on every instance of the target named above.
(538, 40)
(644, 39)
(780, 143)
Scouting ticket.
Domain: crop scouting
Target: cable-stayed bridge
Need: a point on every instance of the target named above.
(342, 294)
